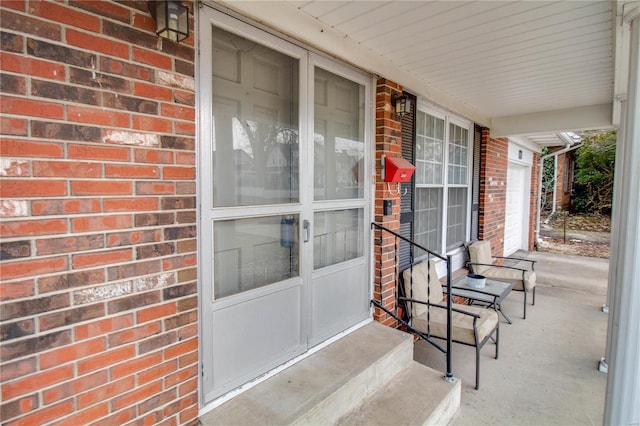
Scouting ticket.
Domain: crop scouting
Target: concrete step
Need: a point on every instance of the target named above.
(417, 395)
(325, 387)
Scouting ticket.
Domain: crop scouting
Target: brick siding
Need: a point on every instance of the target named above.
(98, 293)
(493, 190)
(564, 182)
(533, 201)
(389, 143)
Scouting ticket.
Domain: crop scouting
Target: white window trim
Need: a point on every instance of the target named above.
(450, 118)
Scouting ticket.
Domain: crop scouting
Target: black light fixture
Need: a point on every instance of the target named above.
(403, 105)
(172, 19)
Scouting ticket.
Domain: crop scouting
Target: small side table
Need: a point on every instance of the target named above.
(492, 294)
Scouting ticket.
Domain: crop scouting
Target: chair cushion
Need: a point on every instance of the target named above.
(461, 325)
(415, 286)
(511, 275)
(480, 252)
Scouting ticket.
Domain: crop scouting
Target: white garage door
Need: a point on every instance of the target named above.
(515, 209)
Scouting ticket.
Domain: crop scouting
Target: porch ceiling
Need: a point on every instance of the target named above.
(519, 67)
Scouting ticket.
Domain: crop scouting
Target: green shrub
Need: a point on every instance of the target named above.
(595, 164)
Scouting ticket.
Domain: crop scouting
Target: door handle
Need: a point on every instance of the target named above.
(307, 230)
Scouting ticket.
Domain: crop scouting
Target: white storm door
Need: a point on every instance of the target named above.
(339, 295)
(514, 211)
(252, 288)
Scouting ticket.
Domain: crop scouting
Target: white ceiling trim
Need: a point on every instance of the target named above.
(526, 143)
(590, 117)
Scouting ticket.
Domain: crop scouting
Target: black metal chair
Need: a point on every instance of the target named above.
(483, 263)
(471, 325)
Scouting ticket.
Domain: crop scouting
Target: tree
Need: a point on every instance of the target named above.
(595, 165)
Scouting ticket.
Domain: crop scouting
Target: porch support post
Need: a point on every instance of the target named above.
(388, 143)
(623, 341)
(555, 183)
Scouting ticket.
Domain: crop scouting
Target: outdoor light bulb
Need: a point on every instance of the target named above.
(173, 11)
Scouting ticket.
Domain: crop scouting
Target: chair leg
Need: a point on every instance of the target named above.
(477, 367)
(497, 338)
(534, 296)
(524, 315)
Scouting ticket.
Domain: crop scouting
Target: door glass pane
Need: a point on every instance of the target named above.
(255, 123)
(456, 218)
(428, 218)
(338, 169)
(251, 253)
(337, 236)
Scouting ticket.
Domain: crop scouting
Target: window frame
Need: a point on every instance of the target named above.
(446, 185)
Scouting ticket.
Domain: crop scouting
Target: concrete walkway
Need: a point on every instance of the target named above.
(547, 371)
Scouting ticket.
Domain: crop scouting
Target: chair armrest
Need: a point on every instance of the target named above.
(499, 266)
(533, 262)
(460, 311)
(437, 305)
(516, 258)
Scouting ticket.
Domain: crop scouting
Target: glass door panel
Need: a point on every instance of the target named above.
(338, 137)
(255, 123)
(254, 252)
(337, 236)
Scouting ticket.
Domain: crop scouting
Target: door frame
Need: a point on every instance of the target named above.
(524, 204)
(208, 214)
(365, 203)
(306, 55)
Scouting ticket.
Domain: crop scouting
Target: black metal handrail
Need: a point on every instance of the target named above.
(394, 313)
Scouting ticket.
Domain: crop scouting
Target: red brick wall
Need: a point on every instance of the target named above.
(563, 193)
(98, 292)
(493, 190)
(389, 143)
(533, 200)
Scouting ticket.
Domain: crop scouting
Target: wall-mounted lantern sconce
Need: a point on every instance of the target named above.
(172, 19)
(402, 105)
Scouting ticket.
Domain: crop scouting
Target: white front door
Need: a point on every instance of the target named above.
(283, 201)
(514, 211)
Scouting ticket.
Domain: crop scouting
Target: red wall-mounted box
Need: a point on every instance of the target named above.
(397, 169)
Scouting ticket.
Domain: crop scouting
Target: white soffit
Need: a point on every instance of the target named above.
(481, 59)
(581, 118)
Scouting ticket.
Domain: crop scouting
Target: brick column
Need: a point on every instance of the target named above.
(493, 190)
(533, 200)
(388, 143)
(563, 188)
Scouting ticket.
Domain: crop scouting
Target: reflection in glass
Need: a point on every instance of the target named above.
(456, 217)
(251, 253)
(458, 155)
(429, 149)
(428, 218)
(255, 123)
(337, 236)
(338, 137)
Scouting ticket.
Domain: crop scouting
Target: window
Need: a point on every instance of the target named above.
(442, 182)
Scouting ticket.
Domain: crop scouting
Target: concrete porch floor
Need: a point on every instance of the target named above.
(547, 372)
